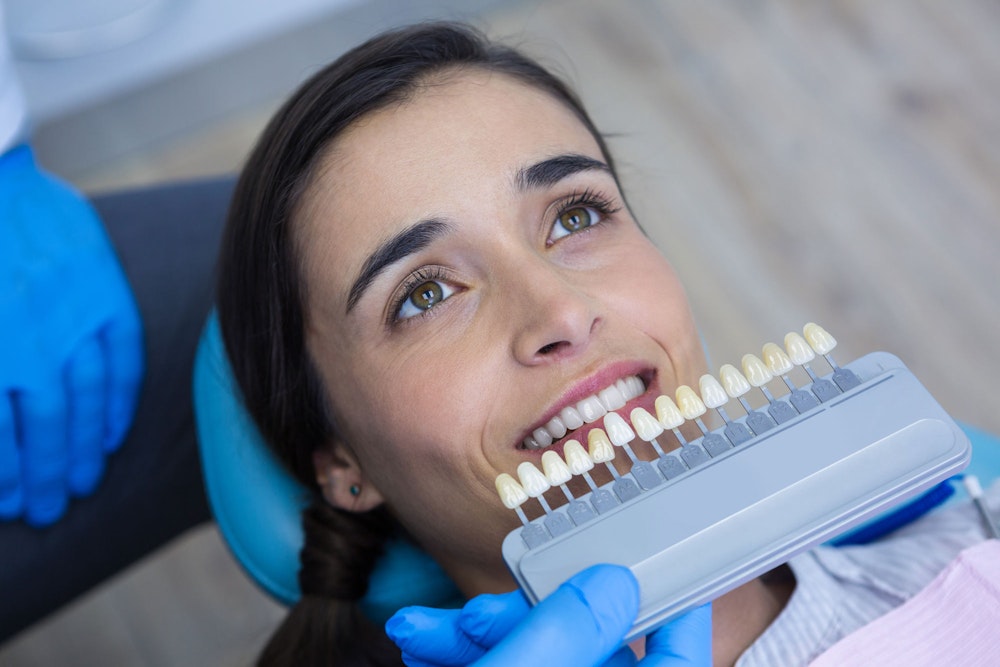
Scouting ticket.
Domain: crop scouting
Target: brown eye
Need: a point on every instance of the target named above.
(573, 220)
(576, 218)
(427, 295)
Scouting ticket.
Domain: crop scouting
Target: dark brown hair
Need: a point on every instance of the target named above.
(260, 302)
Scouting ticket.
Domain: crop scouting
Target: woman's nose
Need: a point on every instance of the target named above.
(553, 319)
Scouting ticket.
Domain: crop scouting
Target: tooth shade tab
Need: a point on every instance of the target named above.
(618, 429)
(646, 425)
(511, 493)
(755, 370)
(601, 449)
(577, 459)
(776, 359)
(532, 479)
(736, 385)
(689, 403)
(798, 349)
(555, 469)
(712, 393)
(819, 339)
(667, 412)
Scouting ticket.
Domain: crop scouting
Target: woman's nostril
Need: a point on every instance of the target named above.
(551, 347)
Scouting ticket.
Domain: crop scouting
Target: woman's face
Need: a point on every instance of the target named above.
(471, 271)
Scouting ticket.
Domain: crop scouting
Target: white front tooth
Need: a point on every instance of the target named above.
(577, 459)
(712, 392)
(638, 387)
(631, 387)
(618, 429)
(555, 469)
(624, 389)
(542, 437)
(511, 493)
(611, 398)
(646, 425)
(591, 409)
(798, 349)
(556, 428)
(571, 418)
(532, 479)
(819, 338)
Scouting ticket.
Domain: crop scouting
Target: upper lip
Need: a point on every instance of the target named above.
(590, 385)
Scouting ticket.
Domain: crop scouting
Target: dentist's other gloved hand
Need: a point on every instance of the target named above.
(71, 356)
(581, 624)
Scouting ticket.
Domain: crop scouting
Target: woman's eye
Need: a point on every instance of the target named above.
(574, 220)
(423, 297)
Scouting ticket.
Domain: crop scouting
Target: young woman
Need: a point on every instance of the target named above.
(429, 257)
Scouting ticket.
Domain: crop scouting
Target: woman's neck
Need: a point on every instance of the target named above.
(740, 616)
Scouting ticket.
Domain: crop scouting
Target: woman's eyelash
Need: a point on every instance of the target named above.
(599, 202)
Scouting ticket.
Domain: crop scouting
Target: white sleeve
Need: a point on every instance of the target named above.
(13, 113)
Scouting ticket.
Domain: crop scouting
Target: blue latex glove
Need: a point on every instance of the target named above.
(582, 623)
(71, 357)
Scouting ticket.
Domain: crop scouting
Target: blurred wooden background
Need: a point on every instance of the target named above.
(827, 161)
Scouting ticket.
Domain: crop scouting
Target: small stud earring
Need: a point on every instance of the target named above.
(355, 490)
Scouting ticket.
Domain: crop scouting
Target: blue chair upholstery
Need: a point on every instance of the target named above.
(257, 504)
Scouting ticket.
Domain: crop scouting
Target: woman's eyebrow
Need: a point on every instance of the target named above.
(548, 172)
(407, 242)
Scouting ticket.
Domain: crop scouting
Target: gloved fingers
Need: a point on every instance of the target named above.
(582, 623)
(429, 636)
(487, 619)
(123, 349)
(85, 379)
(685, 641)
(11, 489)
(42, 415)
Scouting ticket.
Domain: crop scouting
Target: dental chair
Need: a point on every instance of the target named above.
(257, 504)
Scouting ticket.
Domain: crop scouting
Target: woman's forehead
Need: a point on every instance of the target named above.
(452, 148)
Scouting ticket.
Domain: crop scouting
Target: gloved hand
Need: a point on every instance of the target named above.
(582, 623)
(71, 356)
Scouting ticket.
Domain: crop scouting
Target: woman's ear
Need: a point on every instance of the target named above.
(342, 482)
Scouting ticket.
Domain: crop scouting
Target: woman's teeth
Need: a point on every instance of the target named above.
(587, 411)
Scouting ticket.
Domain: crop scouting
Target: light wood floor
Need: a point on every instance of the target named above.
(831, 161)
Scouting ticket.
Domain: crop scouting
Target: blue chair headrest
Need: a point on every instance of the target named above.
(257, 504)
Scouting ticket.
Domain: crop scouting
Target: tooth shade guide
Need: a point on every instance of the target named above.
(715, 434)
